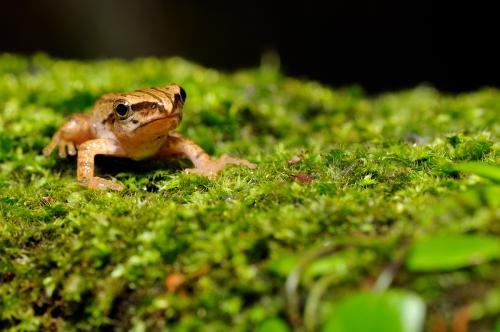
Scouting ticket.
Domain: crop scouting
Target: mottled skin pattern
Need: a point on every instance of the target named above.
(135, 125)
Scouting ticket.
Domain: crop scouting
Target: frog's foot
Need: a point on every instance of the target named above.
(212, 167)
(102, 184)
(64, 145)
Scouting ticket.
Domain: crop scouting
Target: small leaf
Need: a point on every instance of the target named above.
(294, 160)
(302, 178)
(273, 325)
(393, 311)
(487, 171)
(448, 252)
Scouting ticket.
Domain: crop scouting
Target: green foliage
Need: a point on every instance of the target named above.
(491, 172)
(272, 325)
(394, 311)
(448, 252)
(375, 173)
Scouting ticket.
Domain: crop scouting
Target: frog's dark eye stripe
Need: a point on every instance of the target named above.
(122, 110)
(146, 105)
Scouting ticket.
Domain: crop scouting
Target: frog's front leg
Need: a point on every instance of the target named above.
(85, 167)
(75, 131)
(176, 145)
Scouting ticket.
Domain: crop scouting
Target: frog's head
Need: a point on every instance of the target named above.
(148, 112)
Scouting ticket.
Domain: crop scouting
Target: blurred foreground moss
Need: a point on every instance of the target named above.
(180, 252)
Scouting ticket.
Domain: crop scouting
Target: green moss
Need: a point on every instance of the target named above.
(382, 171)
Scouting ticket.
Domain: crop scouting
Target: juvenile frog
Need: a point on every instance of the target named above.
(136, 125)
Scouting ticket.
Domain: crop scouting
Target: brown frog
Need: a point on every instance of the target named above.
(136, 125)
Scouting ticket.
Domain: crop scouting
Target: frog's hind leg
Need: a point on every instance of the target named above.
(85, 166)
(74, 132)
(203, 164)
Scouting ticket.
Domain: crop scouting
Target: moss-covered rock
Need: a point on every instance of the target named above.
(180, 252)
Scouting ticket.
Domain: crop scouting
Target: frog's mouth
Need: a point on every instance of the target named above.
(158, 121)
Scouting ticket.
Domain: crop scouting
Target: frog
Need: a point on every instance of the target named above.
(138, 125)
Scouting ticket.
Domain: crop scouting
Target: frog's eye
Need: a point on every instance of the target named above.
(183, 94)
(122, 110)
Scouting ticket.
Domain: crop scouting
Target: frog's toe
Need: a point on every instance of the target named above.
(200, 171)
(71, 148)
(54, 142)
(65, 148)
(62, 149)
(47, 150)
(225, 160)
(102, 184)
(213, 167)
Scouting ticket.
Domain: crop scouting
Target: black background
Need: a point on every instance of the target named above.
(381, 45)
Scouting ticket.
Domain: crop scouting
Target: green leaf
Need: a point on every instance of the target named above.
(273, 325)
(478, 196)
(448, 252)
(393, 311)
(487, 171)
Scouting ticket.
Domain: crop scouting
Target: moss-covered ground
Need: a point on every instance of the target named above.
(371, 175)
